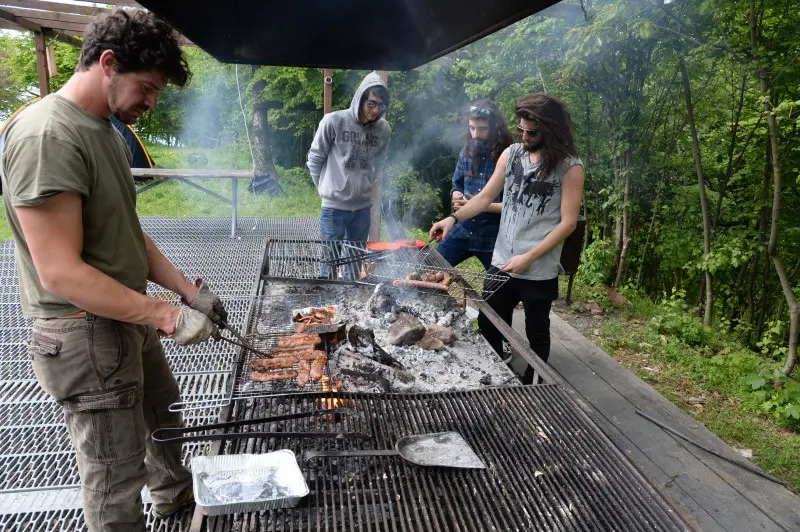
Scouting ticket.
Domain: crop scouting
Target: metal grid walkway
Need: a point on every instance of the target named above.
(39, 485)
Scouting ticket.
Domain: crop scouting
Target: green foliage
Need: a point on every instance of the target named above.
(416, 203)
(676, 320)
(596, 262)
(777, 394)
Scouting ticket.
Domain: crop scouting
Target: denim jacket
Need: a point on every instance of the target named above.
(481, 230)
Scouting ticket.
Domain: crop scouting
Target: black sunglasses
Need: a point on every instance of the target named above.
(372, 104)
(531, 132)
(483, 113)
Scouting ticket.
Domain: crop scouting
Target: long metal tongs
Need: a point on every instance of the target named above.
(171, 435)
(371, 255)
(243, 343)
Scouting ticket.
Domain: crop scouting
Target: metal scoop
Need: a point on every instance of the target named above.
(437, 449)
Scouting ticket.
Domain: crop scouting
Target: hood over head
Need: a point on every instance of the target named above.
(370, 80)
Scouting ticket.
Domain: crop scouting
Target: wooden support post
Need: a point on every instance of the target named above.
(327, 90)
(41, 64)
(377, 189)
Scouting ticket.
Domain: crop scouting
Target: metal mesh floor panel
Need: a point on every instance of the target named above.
(547, 468)
(72, 520)
(35, 453)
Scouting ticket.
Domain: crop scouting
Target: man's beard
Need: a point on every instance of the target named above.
(479, 148)
(125, 116)
(530, 148)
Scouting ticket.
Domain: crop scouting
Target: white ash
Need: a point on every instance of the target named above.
(468, 363)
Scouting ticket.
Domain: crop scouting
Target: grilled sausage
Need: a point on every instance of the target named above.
(264, 364)
(303, 372)
(420, 284)
(273, 375)
(309, 355)
(298, 339)
(317, 367)
(447, 279)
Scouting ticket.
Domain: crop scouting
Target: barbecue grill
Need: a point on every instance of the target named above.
(548, 468)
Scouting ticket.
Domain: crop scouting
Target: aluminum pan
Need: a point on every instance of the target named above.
(277, 469)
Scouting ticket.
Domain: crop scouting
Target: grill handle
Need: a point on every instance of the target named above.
(312, 455)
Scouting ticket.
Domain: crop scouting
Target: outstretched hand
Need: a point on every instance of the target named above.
(440, 229)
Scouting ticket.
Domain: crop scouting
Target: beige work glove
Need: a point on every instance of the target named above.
(193, 327)
(208, 303)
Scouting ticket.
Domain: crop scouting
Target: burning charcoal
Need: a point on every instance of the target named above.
(379, 302)
(429, 341)
(486, 380)
(359, 336)
(406, 330)
(445, 334)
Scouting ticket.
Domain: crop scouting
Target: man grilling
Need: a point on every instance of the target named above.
(486, 135)
(543, 182)
(348, 153)
(84, 263)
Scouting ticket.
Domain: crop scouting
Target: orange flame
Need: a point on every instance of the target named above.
(330, 385)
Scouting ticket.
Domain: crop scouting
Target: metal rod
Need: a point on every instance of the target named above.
(204, 189)
(744, 465)
(234, 206)
(151, 185)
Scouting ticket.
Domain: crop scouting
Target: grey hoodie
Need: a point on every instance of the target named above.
(346, 156)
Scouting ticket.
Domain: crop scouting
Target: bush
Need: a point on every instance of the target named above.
(596, 263)
(415, 202)
(676, 320)
(778, 395)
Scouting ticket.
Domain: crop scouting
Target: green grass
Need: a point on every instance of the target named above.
(175, 199)
(702, 377)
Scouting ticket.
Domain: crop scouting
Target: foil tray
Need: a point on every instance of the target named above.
(316, 328)
(228, 484)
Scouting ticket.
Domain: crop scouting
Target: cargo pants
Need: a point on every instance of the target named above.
(114, 387)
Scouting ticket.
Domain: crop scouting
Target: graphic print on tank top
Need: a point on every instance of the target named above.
(529, 194)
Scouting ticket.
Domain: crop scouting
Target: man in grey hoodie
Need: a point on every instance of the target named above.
(349, 151)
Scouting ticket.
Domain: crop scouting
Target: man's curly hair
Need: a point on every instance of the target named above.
(140, 41)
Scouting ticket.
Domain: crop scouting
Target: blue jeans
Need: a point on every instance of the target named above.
(456, 250)
(336, 224)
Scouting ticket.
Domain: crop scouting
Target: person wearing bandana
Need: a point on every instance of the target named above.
(486, 135)
(542, 183)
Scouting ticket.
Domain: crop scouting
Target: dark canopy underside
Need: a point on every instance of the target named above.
(351, 34)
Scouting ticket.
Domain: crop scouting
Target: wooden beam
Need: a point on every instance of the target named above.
(19, 21)
(54, 6)
(56, 25)
(41, 64)
(327, 90)
(38, 16)
(63, 37)
(173, 173)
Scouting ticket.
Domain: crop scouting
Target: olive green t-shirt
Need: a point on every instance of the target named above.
(55, 146)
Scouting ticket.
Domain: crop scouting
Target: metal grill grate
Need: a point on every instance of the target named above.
(304, 259)
(35, 454)
(548, 468)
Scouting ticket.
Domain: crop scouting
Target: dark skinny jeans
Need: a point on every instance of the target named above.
(537, 298)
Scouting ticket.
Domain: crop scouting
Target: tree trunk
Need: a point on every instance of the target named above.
(262, 154)
(647, 240)
(701, 181)
(586, 168)
(723, 186)
(623, 255)
(377, 192)
(772, 247)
